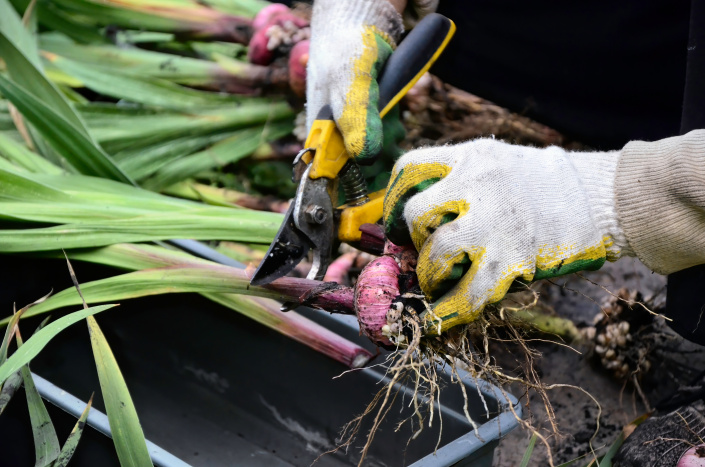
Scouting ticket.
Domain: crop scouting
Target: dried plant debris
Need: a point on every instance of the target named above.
(662, 441)
(436, 113)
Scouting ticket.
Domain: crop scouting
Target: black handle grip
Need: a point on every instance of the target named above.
(414, 56)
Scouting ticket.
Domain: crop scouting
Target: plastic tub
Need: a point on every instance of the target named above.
(215, 388)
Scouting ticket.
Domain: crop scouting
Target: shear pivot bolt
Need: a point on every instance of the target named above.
(315, 214)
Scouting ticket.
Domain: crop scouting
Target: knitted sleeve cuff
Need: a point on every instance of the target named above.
(660, 199)
(597, 171)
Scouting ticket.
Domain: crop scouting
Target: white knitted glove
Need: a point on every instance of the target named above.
(484, 213)
(350, 42)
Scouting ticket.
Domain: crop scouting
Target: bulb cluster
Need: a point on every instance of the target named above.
(617, 345)
(394, 326)
(609, 345)
(286, 34)
(406, 307)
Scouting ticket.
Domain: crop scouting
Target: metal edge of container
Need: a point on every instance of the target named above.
(97, 419)
(488, 433)
(455, 451)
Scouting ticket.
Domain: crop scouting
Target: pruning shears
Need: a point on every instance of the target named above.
(314, 221)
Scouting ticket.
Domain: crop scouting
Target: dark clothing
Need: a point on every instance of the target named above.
(686, 299)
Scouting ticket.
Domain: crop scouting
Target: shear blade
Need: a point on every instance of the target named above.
(290, 246)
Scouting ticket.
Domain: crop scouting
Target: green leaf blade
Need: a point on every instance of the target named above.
(23, 70)
(74, 437)
(128, 436)
(10, 331)
(46, 443)
(230, 150)
(41, 338)
(529, 451)
(207, 277)
(12, 28)
(20, 155)
(66, 139)
(140, 89)
(12, 384)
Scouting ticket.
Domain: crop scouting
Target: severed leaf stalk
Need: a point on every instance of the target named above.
(296, 327)
(202, 278)
(266, 312)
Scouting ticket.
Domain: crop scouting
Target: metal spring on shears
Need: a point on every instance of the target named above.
(353, 183)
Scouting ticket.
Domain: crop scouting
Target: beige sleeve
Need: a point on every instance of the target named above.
(416, 10)
(660, 198)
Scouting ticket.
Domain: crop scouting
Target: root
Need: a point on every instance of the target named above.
(419, 359)
(423, 364)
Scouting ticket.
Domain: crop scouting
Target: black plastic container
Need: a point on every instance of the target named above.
(215, 388)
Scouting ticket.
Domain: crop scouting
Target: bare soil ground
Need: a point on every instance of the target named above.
(576, 414)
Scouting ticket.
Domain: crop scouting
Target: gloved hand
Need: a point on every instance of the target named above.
(484, 213)
(350, 42)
